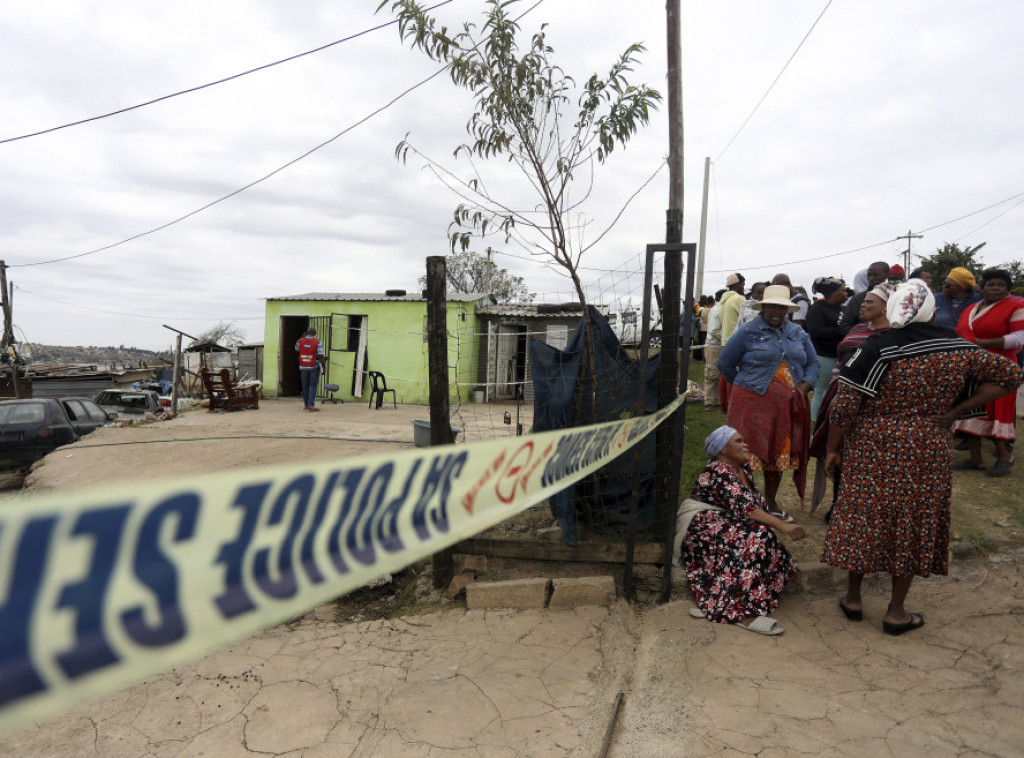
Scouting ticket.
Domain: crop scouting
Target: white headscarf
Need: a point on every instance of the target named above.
(882, 292)
(860, 282)
(910, 303)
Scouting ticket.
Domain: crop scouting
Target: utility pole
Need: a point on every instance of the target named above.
(674, 220)
(437, 368)
(699, 288)
(7, 341)
(177, 368)
(906, 255)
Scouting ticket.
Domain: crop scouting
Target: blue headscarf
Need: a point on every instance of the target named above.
(717, 440)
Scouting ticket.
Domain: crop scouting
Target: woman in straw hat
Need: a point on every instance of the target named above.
(773, 366)
(899, 394)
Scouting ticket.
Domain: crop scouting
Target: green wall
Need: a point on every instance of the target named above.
(395, 346)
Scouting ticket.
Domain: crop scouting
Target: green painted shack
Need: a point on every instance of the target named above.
(370, 332)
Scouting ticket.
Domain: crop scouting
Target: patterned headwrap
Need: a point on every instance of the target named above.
(717, 440)
(910, 303)
(826, 285)
(882, 292)
(963, 277)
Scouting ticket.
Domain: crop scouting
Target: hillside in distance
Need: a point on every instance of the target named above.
(93, 354)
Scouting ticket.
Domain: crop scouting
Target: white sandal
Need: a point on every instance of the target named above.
(764, 625)
(697, 613)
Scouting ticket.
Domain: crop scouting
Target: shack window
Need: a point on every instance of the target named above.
(557, 336)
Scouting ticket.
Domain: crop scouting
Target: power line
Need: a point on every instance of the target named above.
(266, 176)
(774, 82)
(239, 190)
(197, 88)
(974, 213)
(886, 242)
(136, 315)
(994, 218)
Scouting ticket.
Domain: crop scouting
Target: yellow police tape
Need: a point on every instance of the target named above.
(102, 587)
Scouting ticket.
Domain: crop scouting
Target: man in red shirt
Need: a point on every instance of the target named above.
(311, 358)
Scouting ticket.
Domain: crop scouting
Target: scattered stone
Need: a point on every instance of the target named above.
(517, 593)
(587, 590)
(963, 549)
(473, 563)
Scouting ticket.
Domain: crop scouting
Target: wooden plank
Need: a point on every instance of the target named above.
(587, 552)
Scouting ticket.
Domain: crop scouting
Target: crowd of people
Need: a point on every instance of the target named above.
(879, 383)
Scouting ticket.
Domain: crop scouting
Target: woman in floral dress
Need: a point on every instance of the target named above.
(898, 396)
(735, 563)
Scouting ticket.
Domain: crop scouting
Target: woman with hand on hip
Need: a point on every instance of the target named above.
(899, 394)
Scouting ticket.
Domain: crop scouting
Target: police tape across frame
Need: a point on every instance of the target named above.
(104, 586)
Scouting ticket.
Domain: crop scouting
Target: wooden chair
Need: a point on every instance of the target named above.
(380, 389)
(225, 394)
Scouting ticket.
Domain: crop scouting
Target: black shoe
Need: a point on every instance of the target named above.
(916, 622)
(967, 465)
(1001, 468)
(850, 613)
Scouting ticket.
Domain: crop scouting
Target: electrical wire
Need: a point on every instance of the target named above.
(261, 179)
(994, 218)
(240, 190)
(774, 82)
(136, 315)
(197, 88)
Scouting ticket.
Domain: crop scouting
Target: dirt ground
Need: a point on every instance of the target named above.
(438, 680)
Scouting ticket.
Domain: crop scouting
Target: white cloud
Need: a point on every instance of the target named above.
(892, 116)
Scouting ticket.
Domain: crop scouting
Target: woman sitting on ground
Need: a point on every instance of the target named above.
(735, 563)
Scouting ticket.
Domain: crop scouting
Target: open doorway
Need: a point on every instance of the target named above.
(510, 361)
(289, 383)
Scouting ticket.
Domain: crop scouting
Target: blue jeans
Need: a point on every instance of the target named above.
(825, 366)
(310, 379)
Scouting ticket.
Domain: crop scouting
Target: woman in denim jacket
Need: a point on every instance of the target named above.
(773, 366)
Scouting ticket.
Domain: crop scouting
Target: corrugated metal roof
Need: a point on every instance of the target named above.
(540, 310)
(413, 297)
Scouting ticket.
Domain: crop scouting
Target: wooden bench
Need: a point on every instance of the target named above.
(225, 394)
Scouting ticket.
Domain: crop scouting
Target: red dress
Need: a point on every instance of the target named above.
(736, 567)
(998, 320)
(892, 513)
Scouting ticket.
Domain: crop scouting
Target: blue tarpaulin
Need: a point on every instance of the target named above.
(616, 387)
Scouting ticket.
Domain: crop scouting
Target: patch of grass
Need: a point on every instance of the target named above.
(972, 535)
(416, 609)
(699, 424)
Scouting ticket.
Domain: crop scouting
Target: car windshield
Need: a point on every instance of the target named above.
(22, 413)
(126, 399)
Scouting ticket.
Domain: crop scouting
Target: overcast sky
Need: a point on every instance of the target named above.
(893, 116)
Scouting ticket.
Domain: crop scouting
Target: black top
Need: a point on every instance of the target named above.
(823, 327)
(851, 312)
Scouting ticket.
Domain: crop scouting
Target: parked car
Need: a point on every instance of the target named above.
(627, 326)
(129, 403)
(29, 429)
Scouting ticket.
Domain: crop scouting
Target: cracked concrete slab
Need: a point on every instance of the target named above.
(525, 683)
